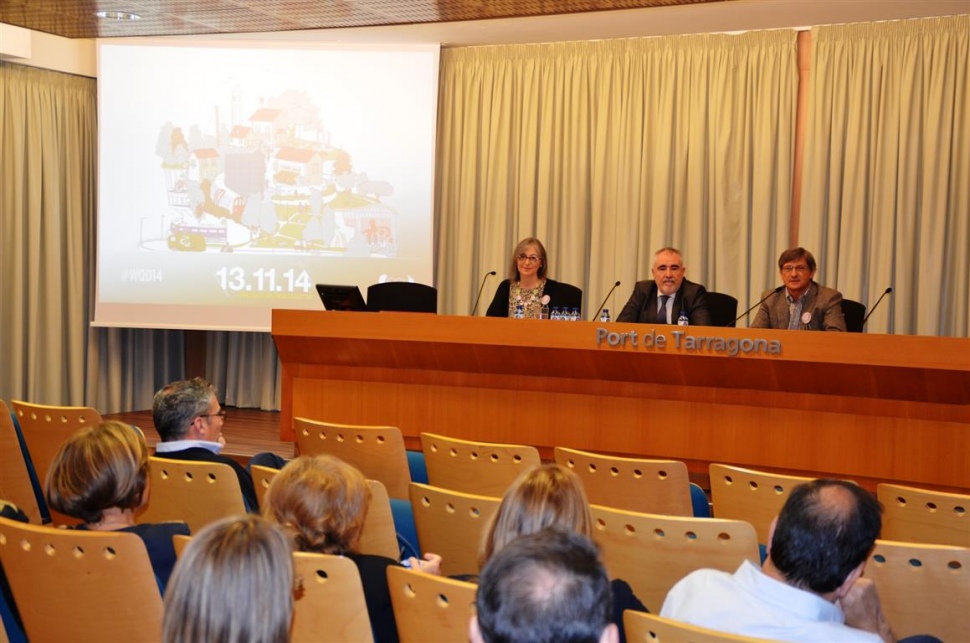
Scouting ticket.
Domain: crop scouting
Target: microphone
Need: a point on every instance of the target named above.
(605, 299)
(773, 292)
(490, 273)
(884, 293)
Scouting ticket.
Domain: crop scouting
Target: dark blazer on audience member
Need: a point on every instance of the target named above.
(642, 307)
(824, 304)
(500, 302)
(201, 454)
(377, 595)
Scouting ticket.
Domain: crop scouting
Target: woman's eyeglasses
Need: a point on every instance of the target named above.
(529, 258)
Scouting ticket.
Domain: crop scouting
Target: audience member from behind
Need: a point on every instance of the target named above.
(322, 502)
(549, 496)
(547, 587)
(100, 476)
(662, 299)
(527, 284)
(801, 304)
(233, 584)
(189, 420)
(810, 588)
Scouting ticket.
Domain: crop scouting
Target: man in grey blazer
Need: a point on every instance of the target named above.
(801, 304)
(660, 300)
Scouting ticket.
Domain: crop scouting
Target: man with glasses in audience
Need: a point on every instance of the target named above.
(189, 419)
(801, 304)
(661, 300)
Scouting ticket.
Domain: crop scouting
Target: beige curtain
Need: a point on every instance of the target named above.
(886, 201)
(47, 200)
(610, 150)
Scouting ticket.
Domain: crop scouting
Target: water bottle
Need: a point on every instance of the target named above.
(605, 315)
(544, 312)
(519, 312)
(575, 315)
(556, 314)
(682, 320)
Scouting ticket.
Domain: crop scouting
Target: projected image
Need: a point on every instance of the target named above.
(233, 177)
(272, 182)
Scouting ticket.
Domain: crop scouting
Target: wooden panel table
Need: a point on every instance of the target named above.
(885, 407)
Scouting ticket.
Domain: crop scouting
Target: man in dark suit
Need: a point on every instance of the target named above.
(189, 419)
(802, 304)
(661, 299)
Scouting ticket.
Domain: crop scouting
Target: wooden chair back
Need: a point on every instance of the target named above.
(924, 589)
(924, 516)
(378, 537)
(484, 468)
(195, 493)
(262, 476)
(378, 451)
(633, 484)
(753, 496)
(653, 552)
(46, 428)
(428, 607)
(180, 542)
(641, 627)
(328, 605)
(451, 524)
(15, 484)
(81, 585)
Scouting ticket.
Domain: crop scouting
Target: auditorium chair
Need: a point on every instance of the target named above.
(641, 627)
(196, 493)
(723, 308)
(451, 524)
(429, 607)
(328, 602)
(753, 496)
(82, 586)
(378, 451)
(46, 428)
(483, 468)
(16, 485)
(402, 296)
(923, 589)
(855, 314)
(652, 552)
(633, 484)
(924, 516)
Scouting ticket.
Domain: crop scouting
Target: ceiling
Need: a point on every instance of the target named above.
(76, 18)
(448, 22)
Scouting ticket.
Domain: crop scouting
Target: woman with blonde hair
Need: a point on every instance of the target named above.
(322, 502)
(100, 476)
(528, 286)
(233, 584)
(549, 496)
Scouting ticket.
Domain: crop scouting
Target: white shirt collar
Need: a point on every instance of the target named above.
(806, 604)
(181, 445)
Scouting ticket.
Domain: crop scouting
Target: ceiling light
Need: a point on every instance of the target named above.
(117, 15)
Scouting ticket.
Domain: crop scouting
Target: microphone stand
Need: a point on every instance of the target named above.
(605, 299)
(488, 274)
(884, 293)
(763, 299)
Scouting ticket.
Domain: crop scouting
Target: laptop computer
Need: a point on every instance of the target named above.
(337, 297)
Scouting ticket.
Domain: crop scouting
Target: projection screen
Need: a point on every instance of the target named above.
(234, 178)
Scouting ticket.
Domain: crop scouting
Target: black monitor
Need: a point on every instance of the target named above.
(336, 297)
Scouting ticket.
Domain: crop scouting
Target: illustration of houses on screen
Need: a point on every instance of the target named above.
(268, 180)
